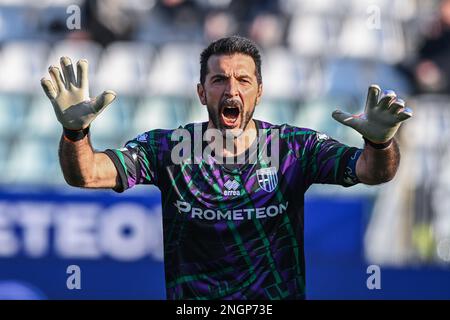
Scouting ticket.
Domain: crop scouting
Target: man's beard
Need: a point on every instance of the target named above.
(245, 117)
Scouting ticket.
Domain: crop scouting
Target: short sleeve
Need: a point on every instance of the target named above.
(330, 161)
(136, 163)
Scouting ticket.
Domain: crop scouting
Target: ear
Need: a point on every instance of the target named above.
(201, 93)
(259, 94)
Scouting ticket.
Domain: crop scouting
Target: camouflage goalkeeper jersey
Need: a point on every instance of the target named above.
(235, 231)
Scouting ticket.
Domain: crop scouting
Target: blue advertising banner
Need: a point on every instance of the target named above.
(115, 241)
(61, 244)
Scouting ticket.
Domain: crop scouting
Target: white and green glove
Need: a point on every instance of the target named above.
(70, 96)
(381, 117)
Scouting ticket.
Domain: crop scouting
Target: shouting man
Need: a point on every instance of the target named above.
(232, 215)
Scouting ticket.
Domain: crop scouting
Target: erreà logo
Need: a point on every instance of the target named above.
(231, 186)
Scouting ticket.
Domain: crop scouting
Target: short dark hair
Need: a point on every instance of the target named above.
(230, 45)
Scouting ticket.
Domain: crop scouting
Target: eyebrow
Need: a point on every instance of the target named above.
(224, 76)
(219, 75)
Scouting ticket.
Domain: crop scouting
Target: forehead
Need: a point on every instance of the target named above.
(227, 63)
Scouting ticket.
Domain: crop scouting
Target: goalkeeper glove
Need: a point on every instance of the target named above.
(381, 117)
(70, 96)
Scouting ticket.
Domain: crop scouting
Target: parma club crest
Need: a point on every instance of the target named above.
(267, 178)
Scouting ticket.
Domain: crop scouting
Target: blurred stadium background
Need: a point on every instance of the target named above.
(317, 55)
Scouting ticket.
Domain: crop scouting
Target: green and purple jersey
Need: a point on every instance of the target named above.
(235, 231)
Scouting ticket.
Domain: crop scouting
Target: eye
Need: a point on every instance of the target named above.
(244, 80)
(218, 80)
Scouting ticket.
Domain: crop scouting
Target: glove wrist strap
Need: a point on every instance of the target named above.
(75, 135)
(378, 146)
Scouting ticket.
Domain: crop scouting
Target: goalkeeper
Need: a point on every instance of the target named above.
(232, 229)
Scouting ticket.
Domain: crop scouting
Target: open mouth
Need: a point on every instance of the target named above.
(230, 116)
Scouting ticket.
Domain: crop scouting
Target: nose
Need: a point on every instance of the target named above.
(231, 89)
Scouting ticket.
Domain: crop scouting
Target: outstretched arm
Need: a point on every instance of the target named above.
(378, 124)
(81, 165)
(376, 166)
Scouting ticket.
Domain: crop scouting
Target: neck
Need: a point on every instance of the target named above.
(239, 144)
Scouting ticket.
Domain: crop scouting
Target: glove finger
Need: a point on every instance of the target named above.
(347, 119)
(405, 114)
(103, 100)
(82, 74)
(57, 78)
(387, 99)
(67, 69)
(49, 90)
(397, 106)
(372, 97)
